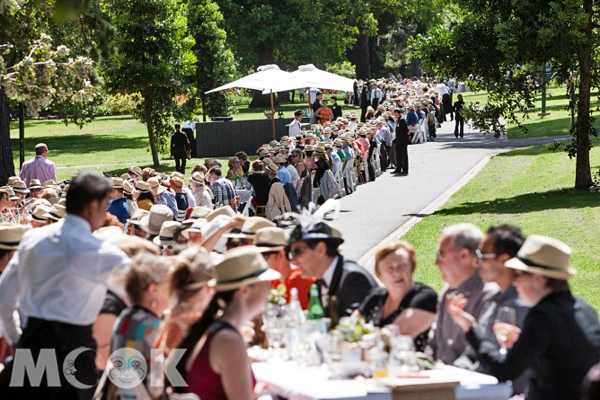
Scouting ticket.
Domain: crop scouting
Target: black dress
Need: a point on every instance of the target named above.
(261, 184)
(421, 296)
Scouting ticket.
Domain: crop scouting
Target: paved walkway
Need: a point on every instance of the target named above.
(381, 209)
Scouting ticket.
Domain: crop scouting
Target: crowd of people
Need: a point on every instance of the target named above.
(147, 262)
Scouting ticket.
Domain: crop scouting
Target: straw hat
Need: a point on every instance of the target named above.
(310, 147)
(198, 212)
(12, 180)
(250, 227)
(241, 266)
(155, 187)
(125, 176)
(56, 213)
(135, 170)
(20, 187)
(270, 239)
(40, 212)
(337, 142)
(117, 183)
(137, 215)
(176, 174)
(167, 230)
(272, 168)
(264, 153)
(279, 159)
(196, 227)
(111, 232)
(320, 150)
(35, 184)
(284, 138)
(225, 210)
(142, 186)
(128, 187)
(152, 222)
(327, 145)
(198, 177)
(267, 161)
(11, 235)
(273, 143)
(545, 256)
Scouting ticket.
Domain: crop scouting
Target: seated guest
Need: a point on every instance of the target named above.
(188, 285)
(292, 170)
(118, 204)
(235, 168)
(314, 249)
(458, 264)
(201, 194)
(260, 182)
(244, 162)
(223, 190)
(271, 241)
(180, 198)
(282, 173)
(560, 339)
(403, 302)
(215, 364)
(145, 199)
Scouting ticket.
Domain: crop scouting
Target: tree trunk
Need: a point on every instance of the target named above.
(7, 167)
(361, 52)
(259, 100)
(148, 109)
(583, 173)
(415, 67)
(202, 100)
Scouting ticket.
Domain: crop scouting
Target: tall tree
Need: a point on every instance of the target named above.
(154, 55)
(504, 44)
(214, 60)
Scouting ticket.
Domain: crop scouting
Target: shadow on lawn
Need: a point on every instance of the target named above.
(82, 144)
(529, 202)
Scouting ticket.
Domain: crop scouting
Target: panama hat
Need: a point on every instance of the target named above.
(128, 187)
(241, 266)
(165, 236)
(337, 142)
(264, 153)
(269, 239)
(272, 168)
(198, 212)
(279, 159)
(250, 227)
(310, 147)
(111, 232)
(327, 145)
(125, 176)
(11, 235)
(135, 170)
(155, 187)
(137, 216)
(142, 186)
(225, 210)
(40, 212)
(196, 227)
(152, 222)
(545, 256)
(12, 180)
(320, 150)
(56, 212)
(35, 184)
(117, 183)
(20, 187)
(198, 177)
(267, 161)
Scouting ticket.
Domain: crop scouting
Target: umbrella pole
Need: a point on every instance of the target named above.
(272, 115)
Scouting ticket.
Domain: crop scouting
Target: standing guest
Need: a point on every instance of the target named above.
(446, 100)
(401, 143)
(315, 105)
(403, 302)
(223, 190)
(324, 114)
(314, 249)
(336, 109)
(295, 125)
(271, 241)
(201, 194)
(180, 148)
(458, 264)
(560, 338)
(215, 363)
(118, 204)
(460, 121)
(58, 293)
(40, 167)
(188, 128)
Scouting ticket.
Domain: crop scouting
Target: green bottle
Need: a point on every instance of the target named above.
(315, 309)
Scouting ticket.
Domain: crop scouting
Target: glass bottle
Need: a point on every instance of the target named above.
(315, 309)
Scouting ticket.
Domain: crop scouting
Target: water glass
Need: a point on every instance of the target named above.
(504, 315)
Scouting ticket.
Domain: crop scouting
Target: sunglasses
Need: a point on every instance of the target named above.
(482, 256)
(297, 252)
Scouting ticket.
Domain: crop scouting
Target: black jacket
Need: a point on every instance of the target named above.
(350, 284)
(180, 145)
(560, 341)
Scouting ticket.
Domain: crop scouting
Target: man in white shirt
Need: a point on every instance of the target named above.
(57, 281)
(446, 100)
(295, 126)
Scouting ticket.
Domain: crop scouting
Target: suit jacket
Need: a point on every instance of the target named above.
(350, 284)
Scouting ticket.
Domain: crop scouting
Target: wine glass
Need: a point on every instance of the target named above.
(504, 315)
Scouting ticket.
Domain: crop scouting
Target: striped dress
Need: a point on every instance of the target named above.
(136, 328)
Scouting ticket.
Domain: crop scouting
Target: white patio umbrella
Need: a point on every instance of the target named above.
(268, 79)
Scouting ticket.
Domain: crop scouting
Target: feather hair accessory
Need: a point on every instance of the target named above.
(309, 223)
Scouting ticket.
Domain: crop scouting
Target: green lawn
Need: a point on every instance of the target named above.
(557, 123)
(529, 188)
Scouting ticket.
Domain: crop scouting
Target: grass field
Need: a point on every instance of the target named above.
(557, 123)
(530, 188)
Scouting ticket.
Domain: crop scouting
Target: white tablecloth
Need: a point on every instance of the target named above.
(312, 383)
(244, 194)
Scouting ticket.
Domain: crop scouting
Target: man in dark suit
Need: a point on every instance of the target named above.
(180, 148)
(315, 251)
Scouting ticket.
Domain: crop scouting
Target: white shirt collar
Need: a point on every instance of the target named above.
(328, 275)
(77, 220)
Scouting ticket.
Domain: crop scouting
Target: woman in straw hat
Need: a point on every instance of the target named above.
(560, 338)
(215, 364)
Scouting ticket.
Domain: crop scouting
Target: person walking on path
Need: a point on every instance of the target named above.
(401, 142)
(40, 167)
(460, 121)
(180, 148)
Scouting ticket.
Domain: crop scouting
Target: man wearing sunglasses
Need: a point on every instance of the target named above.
(315, 251)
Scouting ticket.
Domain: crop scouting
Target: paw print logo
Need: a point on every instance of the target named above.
(128, 368)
